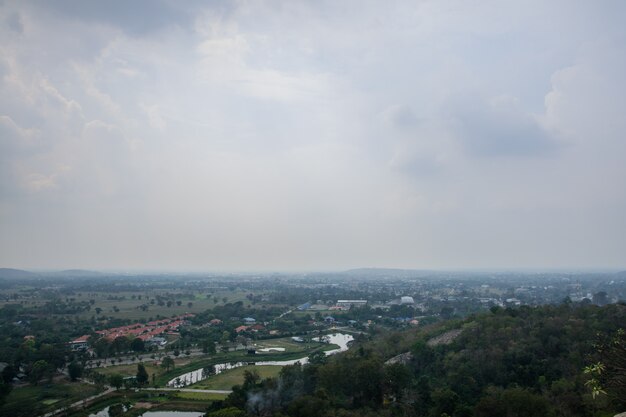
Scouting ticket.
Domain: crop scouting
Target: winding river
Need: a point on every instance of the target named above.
(339, 339)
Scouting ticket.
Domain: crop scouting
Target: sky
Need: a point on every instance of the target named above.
(312, 135)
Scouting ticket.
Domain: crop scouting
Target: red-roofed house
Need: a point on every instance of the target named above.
(241, 329)
(80, 343)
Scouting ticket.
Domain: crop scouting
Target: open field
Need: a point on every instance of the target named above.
(44, 397)
(128, 304)
(130, 370)
(227, 379)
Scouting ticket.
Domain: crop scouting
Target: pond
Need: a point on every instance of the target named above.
(105, 412)
(200, 374)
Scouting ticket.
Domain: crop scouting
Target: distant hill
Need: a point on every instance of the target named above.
(79, 273)
(388, 272)
(10, 273)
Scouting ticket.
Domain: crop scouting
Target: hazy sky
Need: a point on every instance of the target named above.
(295, 135)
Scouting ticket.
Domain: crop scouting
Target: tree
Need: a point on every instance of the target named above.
(318, 358)
(609, 375)
(38, 371)
(228, 412)
(207, 371)
(8, 373)
(5, 390)
(116, 381)
(167, 363)
(138, 345)
(208, 347)
(225, 337)
(142, 375)
(121, 344)
(75, 370)
(397, 379)
(250, 378)
(98, 378)
(116, 410)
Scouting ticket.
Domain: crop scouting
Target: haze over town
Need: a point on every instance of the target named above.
(312, 135)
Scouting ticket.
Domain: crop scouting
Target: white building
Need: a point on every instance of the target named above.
(407, 300)
(351, 303)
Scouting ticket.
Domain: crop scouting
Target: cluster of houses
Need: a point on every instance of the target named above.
(345, 305)
(151, 332)
(250, 324)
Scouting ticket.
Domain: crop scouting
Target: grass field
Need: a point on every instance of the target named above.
(227, 379)
(126, 305)
(200, 396)
(43, 398)
(286, 343)
(129, 370)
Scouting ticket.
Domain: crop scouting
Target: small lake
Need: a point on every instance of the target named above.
(339, 339)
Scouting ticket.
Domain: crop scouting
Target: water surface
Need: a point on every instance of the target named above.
(339, 339)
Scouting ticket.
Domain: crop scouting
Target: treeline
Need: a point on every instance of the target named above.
(507, 362)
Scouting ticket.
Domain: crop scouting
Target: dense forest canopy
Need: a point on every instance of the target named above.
(508, 362)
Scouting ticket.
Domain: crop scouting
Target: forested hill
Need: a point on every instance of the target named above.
(508, 362)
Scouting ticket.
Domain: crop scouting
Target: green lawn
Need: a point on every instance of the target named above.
(227, 379)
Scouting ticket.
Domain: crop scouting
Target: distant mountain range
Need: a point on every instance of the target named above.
(12, 273)
(389, 272)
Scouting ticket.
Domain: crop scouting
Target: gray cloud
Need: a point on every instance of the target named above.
(14, 22)
(499, 127)
(139, 17)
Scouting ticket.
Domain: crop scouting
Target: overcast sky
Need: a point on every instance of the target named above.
(295, 135)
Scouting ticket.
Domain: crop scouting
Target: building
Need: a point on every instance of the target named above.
(80, 343)
(406, 300)
(351, 303)
(157, 341)
(249, 320)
